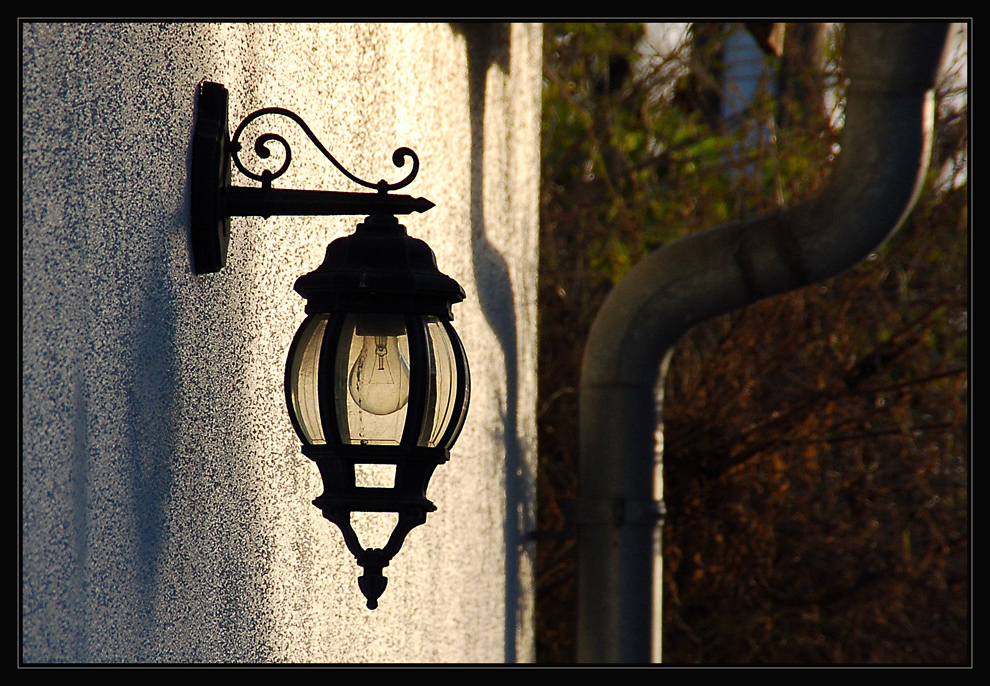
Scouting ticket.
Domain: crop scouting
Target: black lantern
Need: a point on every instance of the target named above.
(376, 374)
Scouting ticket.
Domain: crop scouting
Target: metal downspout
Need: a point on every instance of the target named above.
(885, 151)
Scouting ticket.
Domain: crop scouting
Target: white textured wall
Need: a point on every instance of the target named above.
(166, 505)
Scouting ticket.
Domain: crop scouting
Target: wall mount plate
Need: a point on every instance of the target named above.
(210, 225)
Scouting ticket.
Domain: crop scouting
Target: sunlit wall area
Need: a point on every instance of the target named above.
(166, 507)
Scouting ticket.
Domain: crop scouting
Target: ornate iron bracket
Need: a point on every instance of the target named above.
(215, 200)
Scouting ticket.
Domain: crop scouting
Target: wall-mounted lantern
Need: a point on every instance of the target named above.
(376, 374)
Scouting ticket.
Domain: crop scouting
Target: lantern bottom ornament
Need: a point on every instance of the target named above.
(342, 497)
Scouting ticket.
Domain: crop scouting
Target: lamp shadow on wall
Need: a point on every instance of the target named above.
(488, 44)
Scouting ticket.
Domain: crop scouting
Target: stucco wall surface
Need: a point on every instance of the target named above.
(166, 507)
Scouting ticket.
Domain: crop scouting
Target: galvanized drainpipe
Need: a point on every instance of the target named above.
(886, 143)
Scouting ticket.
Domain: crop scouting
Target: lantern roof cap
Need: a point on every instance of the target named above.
(379, 267)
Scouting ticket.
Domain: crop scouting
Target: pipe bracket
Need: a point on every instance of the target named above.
(618, 512)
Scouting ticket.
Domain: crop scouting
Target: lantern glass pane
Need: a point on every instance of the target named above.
(303, 378)
(372, 379)
(442, 399)
(460, 411)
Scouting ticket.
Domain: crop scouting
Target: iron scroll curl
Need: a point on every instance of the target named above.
(267, 176)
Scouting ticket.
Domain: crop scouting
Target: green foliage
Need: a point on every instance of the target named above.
(628, 158)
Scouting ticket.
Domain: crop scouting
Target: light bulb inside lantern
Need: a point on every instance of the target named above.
(379, 378)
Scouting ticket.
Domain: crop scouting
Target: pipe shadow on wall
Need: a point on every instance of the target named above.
(488, 44)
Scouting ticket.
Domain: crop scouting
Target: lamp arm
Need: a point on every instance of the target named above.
(268, 202)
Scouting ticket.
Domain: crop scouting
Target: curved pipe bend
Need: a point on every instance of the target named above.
(885, 150)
